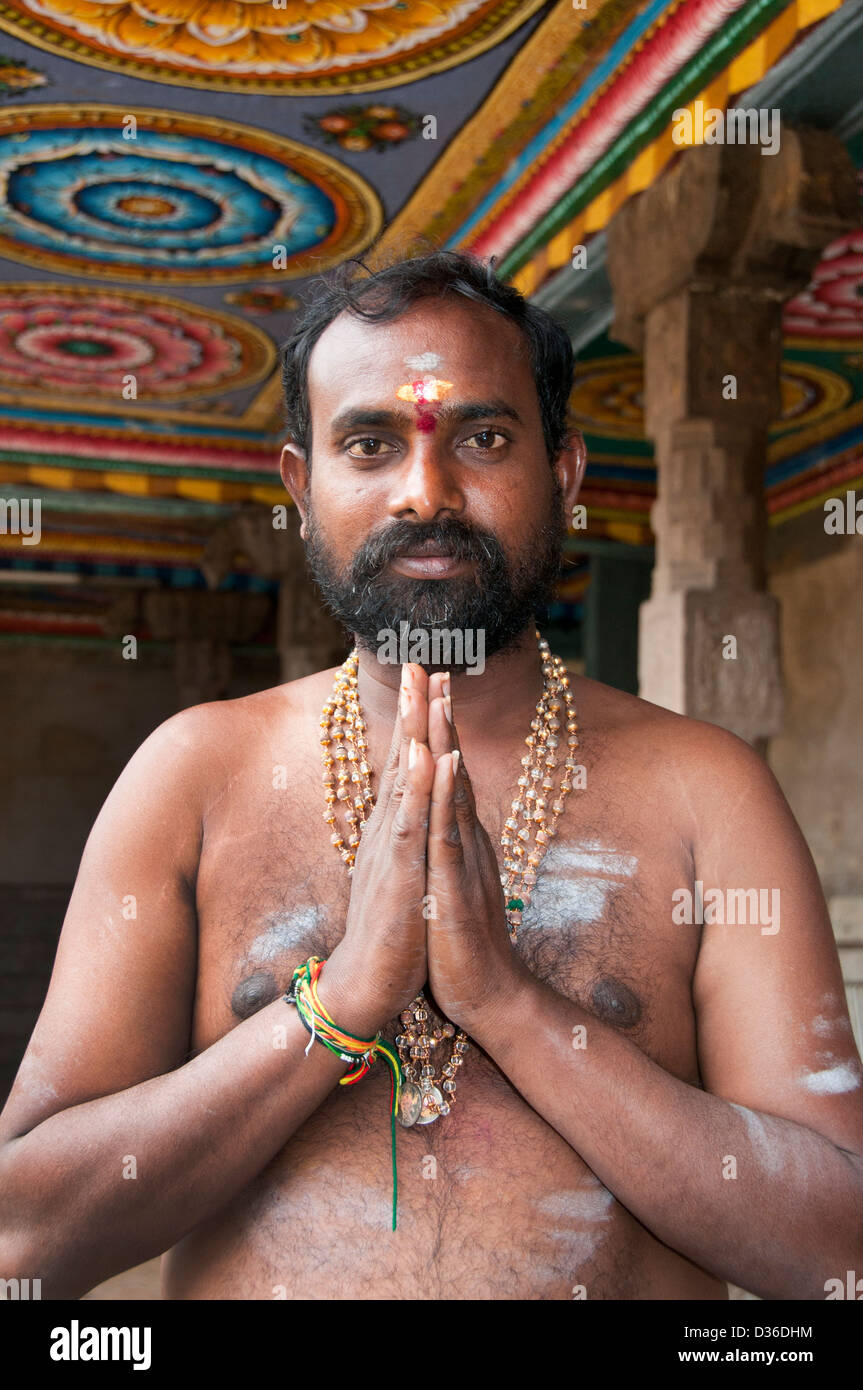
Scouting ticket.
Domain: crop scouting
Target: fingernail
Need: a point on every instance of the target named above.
(404, 702)
(446, 683)
(455, 758)
(447, 707)
(412, 753)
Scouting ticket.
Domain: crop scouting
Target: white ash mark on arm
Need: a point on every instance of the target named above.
(833, 1080)
(768, 1148)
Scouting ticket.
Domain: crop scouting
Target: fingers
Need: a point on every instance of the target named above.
(411, 722)
(445, 844)
(408, 824)
(443, 737)
(441, 734)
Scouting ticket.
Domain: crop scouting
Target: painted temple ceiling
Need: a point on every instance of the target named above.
(285, 48)
(154, 152)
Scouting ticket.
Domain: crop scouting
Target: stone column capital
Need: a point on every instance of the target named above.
(730, 216)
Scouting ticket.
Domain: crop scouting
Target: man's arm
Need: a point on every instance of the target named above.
(103, 1080)
(776, 1055)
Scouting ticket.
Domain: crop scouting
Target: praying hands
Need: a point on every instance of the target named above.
(426, 898)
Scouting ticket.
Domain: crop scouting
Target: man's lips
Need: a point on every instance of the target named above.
(429, 564)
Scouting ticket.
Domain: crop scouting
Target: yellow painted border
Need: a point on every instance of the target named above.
(68, 479)
(743, 72)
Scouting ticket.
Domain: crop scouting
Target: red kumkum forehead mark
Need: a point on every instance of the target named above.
(424, 393)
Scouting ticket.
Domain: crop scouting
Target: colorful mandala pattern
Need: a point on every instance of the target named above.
(187, 199)
(607, 398)
(76, 342)
(269, 45)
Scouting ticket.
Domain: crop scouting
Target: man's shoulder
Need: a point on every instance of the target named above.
(705, 759)
(204, 746)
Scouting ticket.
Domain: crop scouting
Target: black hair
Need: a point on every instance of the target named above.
(385, 294)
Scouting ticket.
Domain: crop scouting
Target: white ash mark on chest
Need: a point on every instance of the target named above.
(272, 955)
(575, 884)
(286, 932)
(579, 1217)
(576, 916)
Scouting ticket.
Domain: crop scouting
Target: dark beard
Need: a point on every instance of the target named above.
(499, 599)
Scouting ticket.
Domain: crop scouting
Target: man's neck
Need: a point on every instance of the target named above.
(506, 691)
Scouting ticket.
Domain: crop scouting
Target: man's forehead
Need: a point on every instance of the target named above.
(458, 339)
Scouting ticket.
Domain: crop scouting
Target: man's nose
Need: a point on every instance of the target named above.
(426, 485)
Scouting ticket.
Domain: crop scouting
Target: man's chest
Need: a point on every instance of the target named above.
(272, 891)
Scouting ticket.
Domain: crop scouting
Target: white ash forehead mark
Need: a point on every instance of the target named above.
(285, 932)
(424, 362)
(767, 1150)
(832, 1081)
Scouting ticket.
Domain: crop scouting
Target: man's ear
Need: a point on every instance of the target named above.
(569, 467)
(295, 476)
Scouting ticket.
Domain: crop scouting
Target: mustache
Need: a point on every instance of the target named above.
(460, 540)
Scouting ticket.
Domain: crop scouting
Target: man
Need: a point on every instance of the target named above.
(647, 1108)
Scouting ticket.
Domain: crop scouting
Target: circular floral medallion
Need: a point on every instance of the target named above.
(163, 196)
(322, 46)
(82, 342)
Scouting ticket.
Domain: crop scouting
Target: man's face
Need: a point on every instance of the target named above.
(431, 500)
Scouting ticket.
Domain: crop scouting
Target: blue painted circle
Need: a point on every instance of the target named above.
(187, 210)
(65, 192)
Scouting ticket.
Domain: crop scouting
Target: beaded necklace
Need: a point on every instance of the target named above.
(347, 785)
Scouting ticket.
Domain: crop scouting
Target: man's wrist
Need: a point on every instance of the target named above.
(345, 1004)
(491, 1024)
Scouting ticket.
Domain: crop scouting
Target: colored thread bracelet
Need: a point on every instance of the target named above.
(360, 1052)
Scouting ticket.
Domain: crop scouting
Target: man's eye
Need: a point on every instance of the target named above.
(367, 448)
(486, 439)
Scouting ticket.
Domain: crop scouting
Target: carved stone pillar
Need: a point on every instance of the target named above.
(700, 266)
(308, 638)
(202, 626)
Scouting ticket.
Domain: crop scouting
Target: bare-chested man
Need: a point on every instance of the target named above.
(648, 1108)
